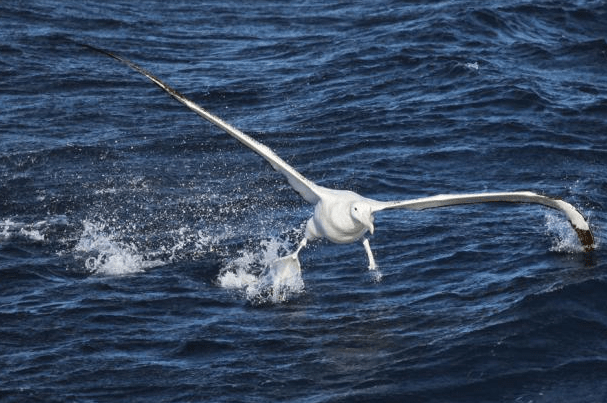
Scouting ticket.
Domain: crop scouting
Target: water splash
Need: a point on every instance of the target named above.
(36, 232)
(375, 275)
(7, 226)
(564, 238)
(105, 255)
(32, 234)
(187, 243)
(254, 274)
(113, 247)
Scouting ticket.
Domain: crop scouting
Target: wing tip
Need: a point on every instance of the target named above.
(586, 239)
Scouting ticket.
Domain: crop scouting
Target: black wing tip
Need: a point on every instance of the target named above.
(586, 239)
(104, 52)
(95, 48)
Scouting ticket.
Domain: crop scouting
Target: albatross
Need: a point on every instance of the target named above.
(343, 216)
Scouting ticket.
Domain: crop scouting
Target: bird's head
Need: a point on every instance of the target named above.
(362, 213)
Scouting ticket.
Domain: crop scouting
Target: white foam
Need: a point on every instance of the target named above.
(32, 234)
(7, 226)
(237, 279)
(109, 256)
(254, 274)
(472, 66)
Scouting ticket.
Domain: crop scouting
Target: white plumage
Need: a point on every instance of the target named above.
(343, 216)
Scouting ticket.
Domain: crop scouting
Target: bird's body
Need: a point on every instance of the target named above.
(333, 220)
(342, 216)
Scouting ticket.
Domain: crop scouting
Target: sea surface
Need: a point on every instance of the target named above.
(135, 237)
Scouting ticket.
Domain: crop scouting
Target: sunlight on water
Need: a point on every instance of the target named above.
(254, 274)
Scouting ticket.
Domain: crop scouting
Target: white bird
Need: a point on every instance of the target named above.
(342, 216)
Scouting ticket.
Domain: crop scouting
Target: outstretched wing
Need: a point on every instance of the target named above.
(577, 221)
(306, 188)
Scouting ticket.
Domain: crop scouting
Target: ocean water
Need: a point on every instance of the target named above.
(135, 237)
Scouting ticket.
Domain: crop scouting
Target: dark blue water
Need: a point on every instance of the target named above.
(133, 234)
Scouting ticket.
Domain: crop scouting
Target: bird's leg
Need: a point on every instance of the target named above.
(372, 265)
(288, 265)
(302, 244)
